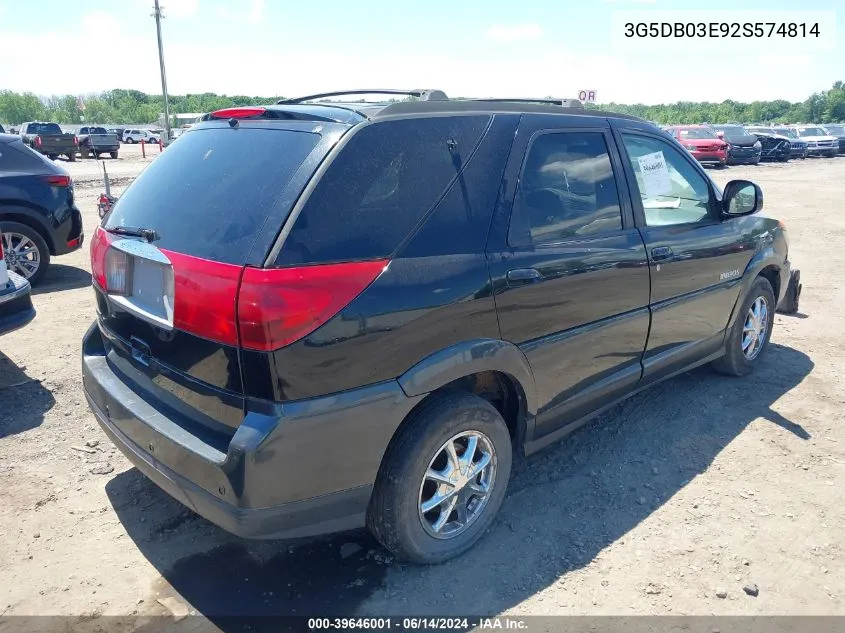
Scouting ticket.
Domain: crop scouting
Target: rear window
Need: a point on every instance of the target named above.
(43, 128)
(209, 194)
(379, 188)
(98, 130)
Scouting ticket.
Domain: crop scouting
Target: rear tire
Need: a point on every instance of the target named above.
(71, 157)
(741, 357)
(113, 155)
(397, 516)
(84, 153)
(53, 156)
(10, 228)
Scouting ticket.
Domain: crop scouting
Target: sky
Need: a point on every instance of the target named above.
(470, 48)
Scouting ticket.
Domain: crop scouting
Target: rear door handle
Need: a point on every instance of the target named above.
(661, 252)
(523, 276)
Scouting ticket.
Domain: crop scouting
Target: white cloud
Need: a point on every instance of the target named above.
(514, 32)
(256, 11)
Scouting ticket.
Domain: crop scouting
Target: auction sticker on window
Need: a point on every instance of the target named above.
(655, 175)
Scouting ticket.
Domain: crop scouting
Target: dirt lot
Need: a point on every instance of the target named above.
(700, 486)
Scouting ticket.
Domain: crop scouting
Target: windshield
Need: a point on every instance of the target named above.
(733, 130)
(697, 132)
(786, 131)
(43, 128)
(836, 130)
(209, 194)
(811, 131)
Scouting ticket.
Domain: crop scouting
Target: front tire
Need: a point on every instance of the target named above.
(19, 240)
(749, 337)
(433, 499)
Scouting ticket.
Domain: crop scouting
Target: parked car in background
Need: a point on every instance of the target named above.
(96, 141)
(743, 147)
(16, 309)
(799, 147)
(701, 141)
(136, 136)
(345, 345)
(839, 132)
(773, 146)
(48, 139)
(819, 142)
(38, 215)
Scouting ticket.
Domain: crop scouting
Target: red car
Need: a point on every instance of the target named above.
(702, 143)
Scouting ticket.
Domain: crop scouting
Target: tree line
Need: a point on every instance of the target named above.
(132, 106)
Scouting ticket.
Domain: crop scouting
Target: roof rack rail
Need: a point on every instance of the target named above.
(566, 103)
(424, 95)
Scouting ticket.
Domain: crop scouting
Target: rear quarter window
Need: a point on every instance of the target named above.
(379, 187)
(209, 194)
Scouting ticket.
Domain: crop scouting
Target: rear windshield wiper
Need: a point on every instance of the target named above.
(148, 234)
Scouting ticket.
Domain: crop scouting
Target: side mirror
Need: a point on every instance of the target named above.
(742, 197)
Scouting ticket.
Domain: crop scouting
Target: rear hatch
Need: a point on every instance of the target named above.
(100, 137)
(211, 204)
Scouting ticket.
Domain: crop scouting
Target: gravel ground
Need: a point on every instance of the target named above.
(671, 503)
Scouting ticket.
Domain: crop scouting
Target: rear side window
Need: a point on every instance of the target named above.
(379, 187)
(209, 194)
(567, 189)
(17, 157)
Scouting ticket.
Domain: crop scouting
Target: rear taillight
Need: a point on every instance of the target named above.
(116, 271)
(76, 140)
(57, 180)
(37, 141)
(204, 297)
(244, 112)
(1, 246)
(100, 246)
(279, 306)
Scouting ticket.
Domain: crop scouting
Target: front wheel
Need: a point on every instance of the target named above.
(130, 140)
(748, 339)
(442, 480)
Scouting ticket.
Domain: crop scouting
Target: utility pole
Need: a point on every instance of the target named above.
(158, 16)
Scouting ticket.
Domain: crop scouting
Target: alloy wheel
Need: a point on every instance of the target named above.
(21, 254)
(755, 328)
(457, 484)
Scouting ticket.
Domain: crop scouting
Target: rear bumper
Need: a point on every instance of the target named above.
(70, 236)
(291, 471)
(16, 309)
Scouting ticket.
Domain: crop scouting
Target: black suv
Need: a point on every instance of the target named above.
(316, 316)
(38, 214)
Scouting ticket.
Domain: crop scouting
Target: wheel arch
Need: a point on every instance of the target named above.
(496, 370)
(30, 218)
